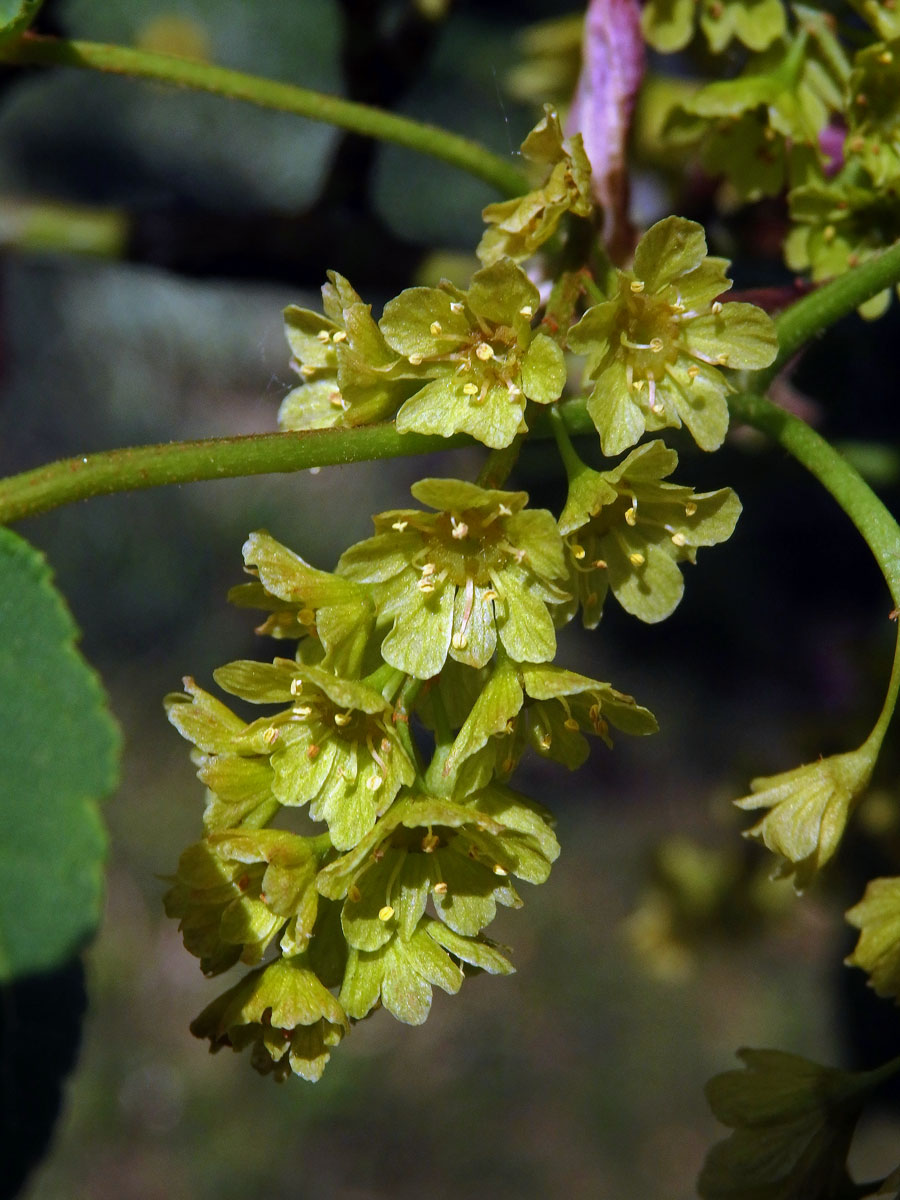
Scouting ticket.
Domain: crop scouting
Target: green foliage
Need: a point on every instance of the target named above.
(58, 759)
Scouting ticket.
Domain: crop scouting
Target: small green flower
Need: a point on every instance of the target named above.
(453, 581)
(334, 614)
(762, 128)
(877, 917)
(519, 227)
(401, 973)
(627, 531)
(478, 353)
(350, 374)
(334, 747)
(232, 758)
(456, 856)
(544, 706)
(284, 1013)
(669, 24)
(873, 136)
(235, 892)
(809, 807)
(841, 222)
(656, 348)
(793, 1123)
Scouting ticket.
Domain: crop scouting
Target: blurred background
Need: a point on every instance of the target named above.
(658, 946)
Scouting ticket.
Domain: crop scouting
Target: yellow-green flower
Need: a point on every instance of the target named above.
(656, 349)
(477, 357)
(284, 1013)
(454, 581)
(235, 892)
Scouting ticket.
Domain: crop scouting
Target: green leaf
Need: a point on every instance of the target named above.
(59, 757)
(16, 16)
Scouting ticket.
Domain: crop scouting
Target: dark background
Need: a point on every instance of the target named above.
(582, 1074)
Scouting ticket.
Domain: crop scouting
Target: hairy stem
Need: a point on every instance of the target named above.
(469, 156)
(136, 467)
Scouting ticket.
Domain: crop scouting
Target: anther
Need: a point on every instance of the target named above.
(342, 718)
(636, 558)
(339, 335)
(458, 529)
(440, 889)
(271, 735)
(600, 565)
(498, 870)
(306, 370)
(690, 508)
(526, 311)
(484, 351)
(693, 371)
(490, 594)
(312, 751)
(504, 510)
(829, 233)
(631, 516)
(323, 336)
(456, 306)
(571, 723)
(716, 307)
(302, 710)
(435, 328)
(385, 913)
(459, 641)
(336, 400)
(425, 585)
(885, 58)
(374, 782)
(656, 344)
(306, 616)
(415, 360)
(354, 895)
(296, 687)
(430, 843)
(400, 525)
(471, 389)
(678, 539)
(637, 285)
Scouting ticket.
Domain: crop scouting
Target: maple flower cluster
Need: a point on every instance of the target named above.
(414, 676)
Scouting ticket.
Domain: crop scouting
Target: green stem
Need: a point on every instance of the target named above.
(137, 467)
(870, 516)
(567, 452)
(33, 50)
(818, 310)
(402, 711)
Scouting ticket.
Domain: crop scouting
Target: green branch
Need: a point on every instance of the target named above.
(814, 313)
(134, 468)
(451, 148)
(870, 516)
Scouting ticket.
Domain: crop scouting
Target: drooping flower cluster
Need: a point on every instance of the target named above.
(445, 618)
(413, 678)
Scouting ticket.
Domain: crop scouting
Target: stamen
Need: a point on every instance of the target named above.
(631, 515)
(415, 360)
(323, 336)
(484, 351)
(716, 307)
(678, 539)
(312, 751)
(458, 529)
(636, 559)
(354, 895)
(435, 328)
(271, 735)
(343, 718)
(471, 389)
(339, 335)
(302, 711)
(440, 889)
(400, 525)
(690, 508)
(456, 306)
(637, 286)
(306, 370)
(296, 687)
(526, 311)
(385, 913)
